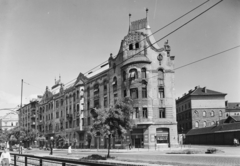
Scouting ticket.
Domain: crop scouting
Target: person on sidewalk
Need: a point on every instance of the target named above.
(5, 158)
(130, 146)
(69, 149)
(235, 142)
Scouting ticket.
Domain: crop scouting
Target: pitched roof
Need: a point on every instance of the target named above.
(235, 118)
(226, 127)
(205, 91)
(198, 91)
(233, 106)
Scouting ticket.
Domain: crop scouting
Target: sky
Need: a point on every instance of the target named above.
(40, 40)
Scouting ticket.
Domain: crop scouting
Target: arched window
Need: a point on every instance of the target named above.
(204, 113)
(133, 74)
(213, 123)
(96, 89)
(137, 45)
(88, 92)
(74, 97)
(204, 124)
(124, 75)
(196, 124)
(78, 94)
(105, 87)
(130, 46)
(212, 113)
(144, 74)
(114, 84)
(220, 113)
(160, 74)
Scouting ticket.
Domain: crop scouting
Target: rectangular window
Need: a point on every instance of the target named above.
(82, 121)
(89, 121)
(124, 93)
(134, 93)
(115, 98)
(96, 103)
(57, 114)
(162, 113)
(78, 122)
(105, 102)
(161, 93)
(145, 113)
(66, 125)
(136, 112)
(144, 92)
(88, 105)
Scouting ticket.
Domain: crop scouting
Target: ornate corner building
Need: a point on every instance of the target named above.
(142, 70)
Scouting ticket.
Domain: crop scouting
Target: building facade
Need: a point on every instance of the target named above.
(200, 108)
(232, 109)
(8, 122)
(145, 72)
(141, 70)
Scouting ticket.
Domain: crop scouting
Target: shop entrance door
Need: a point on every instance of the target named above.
(137, 143)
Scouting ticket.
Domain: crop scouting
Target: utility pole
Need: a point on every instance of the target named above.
(21, 93)
(20, 143)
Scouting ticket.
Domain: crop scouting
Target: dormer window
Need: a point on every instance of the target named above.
(130, 46)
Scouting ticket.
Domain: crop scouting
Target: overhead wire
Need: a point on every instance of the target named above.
(137, 82)
(148, 36)
(158, 30)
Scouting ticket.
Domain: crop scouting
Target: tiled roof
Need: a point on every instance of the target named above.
(205, 91)
(226, 127)
(235, 118)
(233, 106)
(198, 91)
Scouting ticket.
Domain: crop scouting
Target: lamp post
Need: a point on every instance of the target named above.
(51, 146)
(182, 138)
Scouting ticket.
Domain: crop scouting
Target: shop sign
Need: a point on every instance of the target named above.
(146, 138)
(152, 138)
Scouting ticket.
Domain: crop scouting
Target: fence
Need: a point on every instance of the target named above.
(30, 160)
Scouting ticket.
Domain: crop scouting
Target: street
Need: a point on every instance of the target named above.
(229, 156)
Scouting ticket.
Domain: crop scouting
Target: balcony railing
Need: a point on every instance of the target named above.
(69, 117)
(143, 121)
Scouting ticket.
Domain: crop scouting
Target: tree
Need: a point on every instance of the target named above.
(113, 121)
(19, 133)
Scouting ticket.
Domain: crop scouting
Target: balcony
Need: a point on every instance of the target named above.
(69, 117)
(143, 121)
(61, 119)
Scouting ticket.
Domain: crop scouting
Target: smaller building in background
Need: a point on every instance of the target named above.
(9, 121)
(200, 108)
(232, 109)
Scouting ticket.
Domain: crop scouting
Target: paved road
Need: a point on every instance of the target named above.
(230, 156)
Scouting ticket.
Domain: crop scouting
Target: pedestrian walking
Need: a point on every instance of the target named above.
(235, 142)
(5, 158)
(70, 149)
(130, 145)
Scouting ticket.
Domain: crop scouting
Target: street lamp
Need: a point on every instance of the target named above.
(182, 138)
(51, 146)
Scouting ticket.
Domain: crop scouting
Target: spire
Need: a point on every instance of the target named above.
(147, 26)
(129, 22)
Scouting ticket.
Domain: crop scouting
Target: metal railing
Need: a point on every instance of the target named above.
(30, 160)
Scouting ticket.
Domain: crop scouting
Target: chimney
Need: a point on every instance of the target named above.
(204, 90)
(226, 103)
